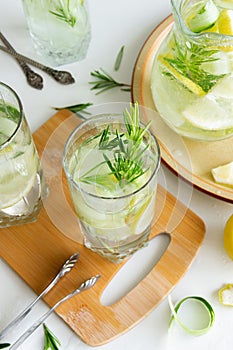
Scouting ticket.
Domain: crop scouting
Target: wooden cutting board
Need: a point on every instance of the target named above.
(36, 251)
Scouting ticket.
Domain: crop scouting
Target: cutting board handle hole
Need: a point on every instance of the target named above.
(135, 269)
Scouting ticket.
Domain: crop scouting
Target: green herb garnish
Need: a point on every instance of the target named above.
(119, 59)
(50, 340)
(187, 60)
(4, 345)
(64, 13)
(127, 163)
(80, 107)
(104, 81)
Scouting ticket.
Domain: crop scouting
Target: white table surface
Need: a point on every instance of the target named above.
(117, 23)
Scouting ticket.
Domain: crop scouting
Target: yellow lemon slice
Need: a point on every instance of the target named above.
(228, 237)
(226, 295)
(225, 22)
(188, 83)
(223, 174)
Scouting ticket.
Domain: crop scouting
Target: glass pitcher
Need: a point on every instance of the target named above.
(192, 74)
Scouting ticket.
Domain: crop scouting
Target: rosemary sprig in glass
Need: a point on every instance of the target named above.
(187, 60)
(104, 81)
(127, 163)
(64, 13)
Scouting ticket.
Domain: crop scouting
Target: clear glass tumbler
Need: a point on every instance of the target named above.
(111, 163)
(60, 29)
(22, 187)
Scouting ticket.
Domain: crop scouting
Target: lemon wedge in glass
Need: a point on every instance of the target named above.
(225, 22)
(223, 174)
(188, 83)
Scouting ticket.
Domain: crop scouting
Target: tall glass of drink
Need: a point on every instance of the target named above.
(111, 163)
(22, 186)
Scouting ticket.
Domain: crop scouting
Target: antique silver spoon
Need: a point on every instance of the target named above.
(84, 286)
(62, 77)
(66, 267)
(33, 79)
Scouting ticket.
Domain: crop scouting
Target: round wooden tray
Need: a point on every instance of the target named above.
(189, 159)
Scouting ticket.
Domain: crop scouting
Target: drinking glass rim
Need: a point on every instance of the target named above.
(4, 144)
(155, 171)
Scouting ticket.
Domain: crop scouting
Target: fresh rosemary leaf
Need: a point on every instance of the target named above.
(50, 340)
(64, 13)
(119, 59)
(104, 81)
(126, 163)
(4, 345)
(81, 107)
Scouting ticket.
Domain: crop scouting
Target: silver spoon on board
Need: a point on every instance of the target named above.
(66, 267)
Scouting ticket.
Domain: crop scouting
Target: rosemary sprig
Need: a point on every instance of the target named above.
(127, 163)
(4, 345)
(187, 60)
(80, 107)
(50, 340)
(64, 13)
(119, 59)
(104, 81)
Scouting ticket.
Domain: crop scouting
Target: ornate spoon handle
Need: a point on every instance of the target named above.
(63, 77)
(33, 79)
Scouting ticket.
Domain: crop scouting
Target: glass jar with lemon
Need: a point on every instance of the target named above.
(192, 75)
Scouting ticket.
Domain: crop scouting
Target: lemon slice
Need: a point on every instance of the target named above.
(228, 237)
(204, 18)
(225, 295)
(206, 114)
(214, 111)
(225, 22)
(223, 174)
(188, 83)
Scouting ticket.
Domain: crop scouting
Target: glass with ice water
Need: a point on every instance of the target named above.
(111, 166)
(22, 186)
(60, 29)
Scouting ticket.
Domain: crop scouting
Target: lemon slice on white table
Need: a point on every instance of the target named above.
(223, 174)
